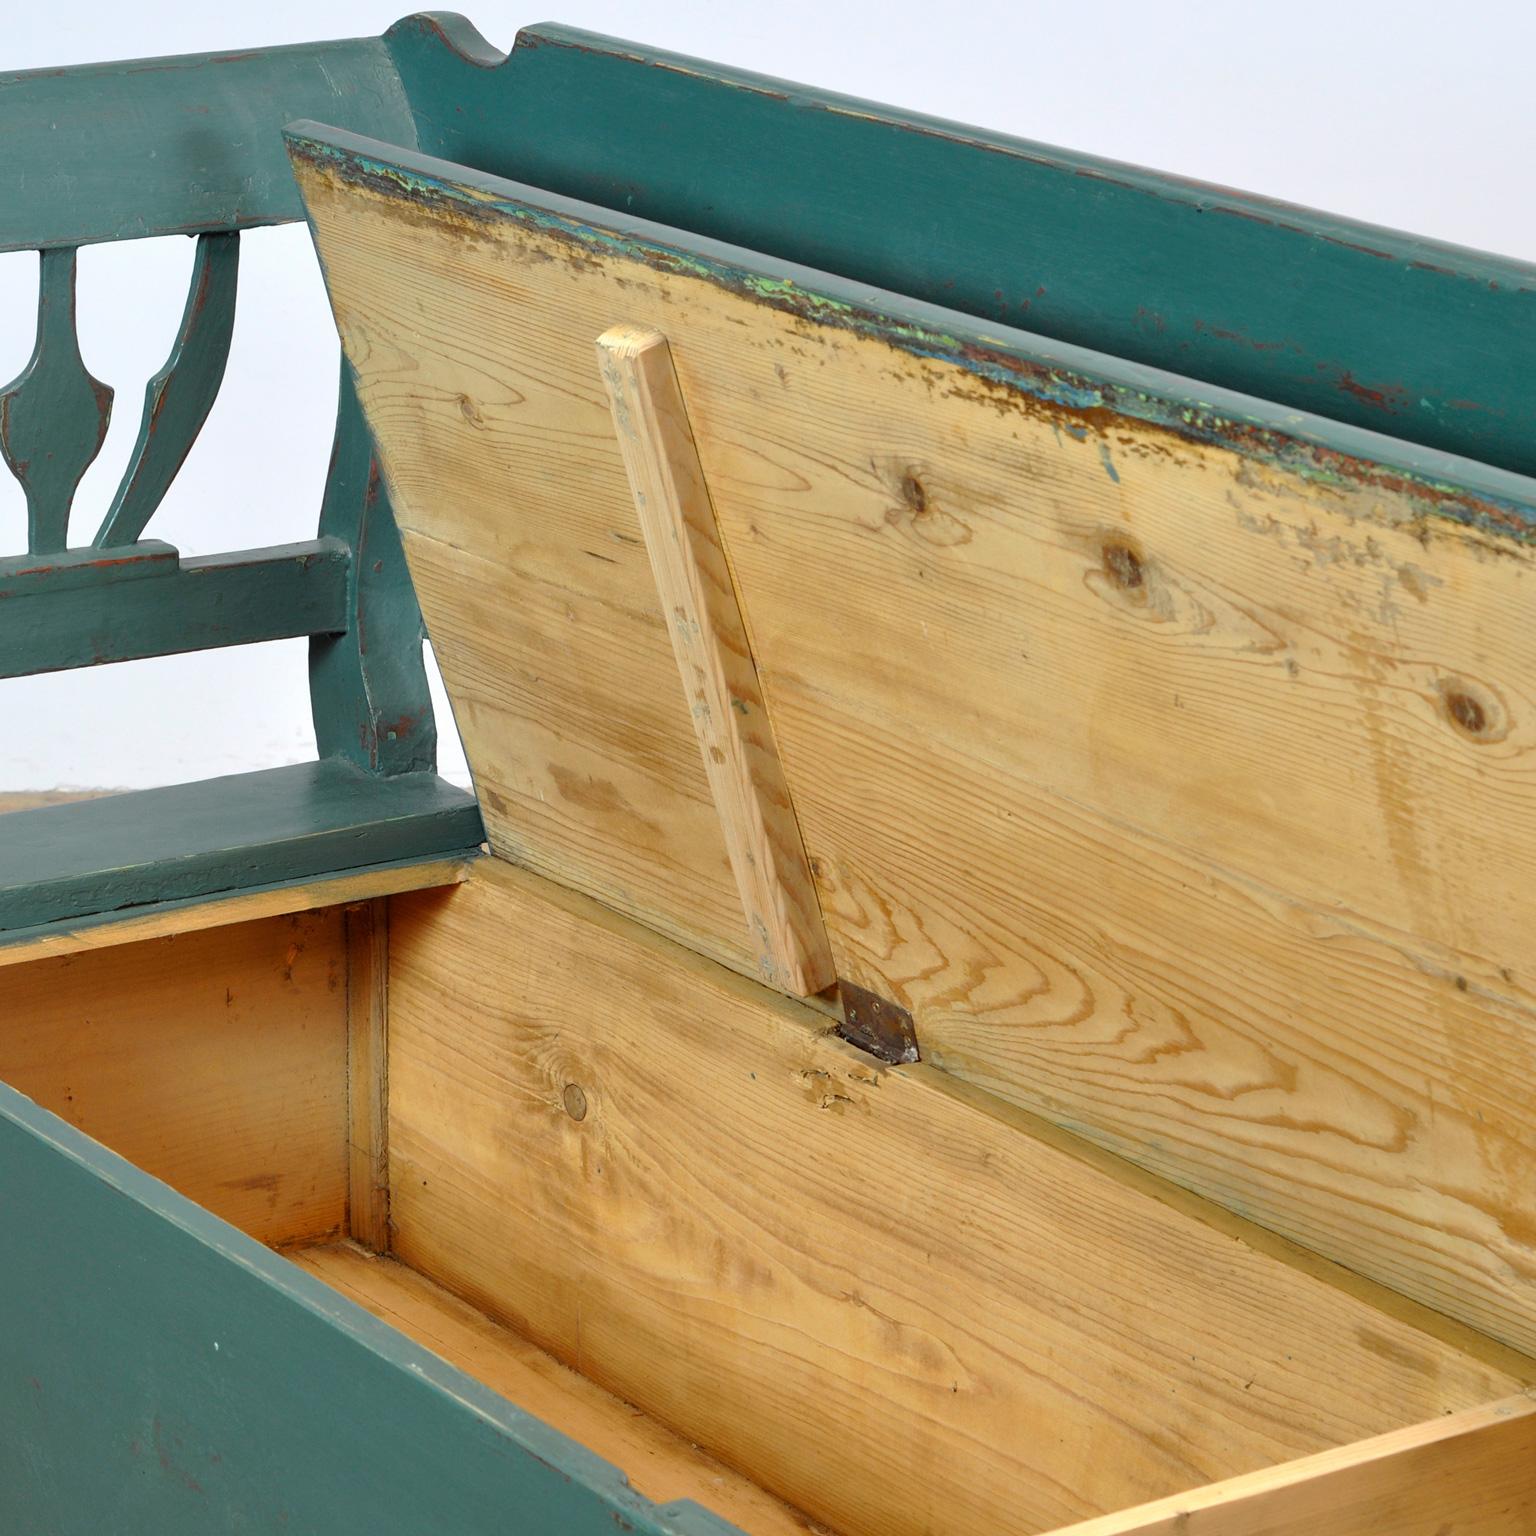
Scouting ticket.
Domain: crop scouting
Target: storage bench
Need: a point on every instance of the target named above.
(995, 994)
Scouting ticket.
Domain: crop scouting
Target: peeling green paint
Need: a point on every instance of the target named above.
(1351, 323)
(1094, 388)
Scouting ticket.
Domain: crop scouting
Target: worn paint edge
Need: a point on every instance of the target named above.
(1075, 380)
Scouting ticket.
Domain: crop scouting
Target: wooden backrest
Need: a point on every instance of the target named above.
(192, 146)
(1361, 326)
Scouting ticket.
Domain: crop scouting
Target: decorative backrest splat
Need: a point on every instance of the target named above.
(53, 415)
(177, 400)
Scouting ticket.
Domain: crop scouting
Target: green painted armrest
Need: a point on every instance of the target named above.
(67, 862)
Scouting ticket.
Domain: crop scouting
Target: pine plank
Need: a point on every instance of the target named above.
(714, 661)
(216, 1061)
(1471, 1473)
(889, 1300)
(1181, 796)
(585, 763)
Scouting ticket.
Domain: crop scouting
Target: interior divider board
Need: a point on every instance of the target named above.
(822, 1269)
(713, 647)
(216, 1061)
(1177, 775)
(367, 938)
(1471, 1473)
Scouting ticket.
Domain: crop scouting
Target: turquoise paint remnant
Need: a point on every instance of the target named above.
(1109, 464)
(1092, 388)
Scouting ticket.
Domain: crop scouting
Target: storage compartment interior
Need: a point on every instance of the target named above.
(664, 1210)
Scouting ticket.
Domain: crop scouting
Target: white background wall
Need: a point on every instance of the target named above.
(1413, 113)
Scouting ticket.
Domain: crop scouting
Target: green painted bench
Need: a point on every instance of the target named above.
(162, 1371)
(191, 146)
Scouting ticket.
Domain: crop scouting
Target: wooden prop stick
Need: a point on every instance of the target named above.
(714, 657)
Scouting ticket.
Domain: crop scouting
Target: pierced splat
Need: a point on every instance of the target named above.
(54, 414)
(178, 398)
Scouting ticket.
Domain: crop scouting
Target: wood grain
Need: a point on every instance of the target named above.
(583, 770)
(1471, 1473)
(875, 1291)
(658, 1463)
(215, 1061)
(135, 925)
(714, 660)
(1181, 798)
(367, 931)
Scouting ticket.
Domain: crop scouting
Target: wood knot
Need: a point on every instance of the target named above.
(1471, 711)
(913, 494)
(575, 1101)
(1466, 712)
(921, 503)
(1122, 564)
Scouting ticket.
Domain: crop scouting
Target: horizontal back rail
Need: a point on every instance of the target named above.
(176, 146)
(156, 605)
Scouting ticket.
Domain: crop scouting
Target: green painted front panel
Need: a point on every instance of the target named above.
(177, 145)
(1365, 326)
(279, 824)
(161, 1374)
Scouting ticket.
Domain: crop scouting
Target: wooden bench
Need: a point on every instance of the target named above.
(192, 146)
(999, 994)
